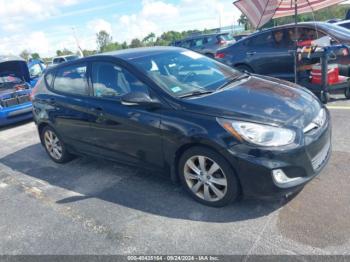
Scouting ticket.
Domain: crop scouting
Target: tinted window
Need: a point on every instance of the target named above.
(71, 79)
(110, 80)
(346, 25)
(260, 40)
(49, 78)
(58, 60)
(197, 42)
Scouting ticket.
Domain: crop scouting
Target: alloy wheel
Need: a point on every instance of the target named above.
(205, 178)
(53, 145)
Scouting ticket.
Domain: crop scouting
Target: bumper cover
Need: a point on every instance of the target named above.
(305, 162)
(14, 114)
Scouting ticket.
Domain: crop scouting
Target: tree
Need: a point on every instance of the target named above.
(35, 56)
(135, 43)
(103, 39)
(149, 38)
(243, 20)
(25, 55)
(89, 52)
(65, 51)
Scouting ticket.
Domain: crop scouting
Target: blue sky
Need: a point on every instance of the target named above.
(46, 25)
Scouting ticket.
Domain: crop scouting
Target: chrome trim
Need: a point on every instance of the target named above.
(321, 157)
(318, 122)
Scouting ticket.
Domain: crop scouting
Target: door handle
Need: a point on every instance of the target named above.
(251, 53)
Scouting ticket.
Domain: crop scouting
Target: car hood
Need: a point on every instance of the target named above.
(260, 99)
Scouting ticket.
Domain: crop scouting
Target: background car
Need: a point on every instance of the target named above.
(36, 68)
(270, 52)
(219, 131)
(206, 44)
(344, 23)
(15, 89)
(61, 59)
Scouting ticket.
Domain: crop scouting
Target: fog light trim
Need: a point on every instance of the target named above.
(283, 181)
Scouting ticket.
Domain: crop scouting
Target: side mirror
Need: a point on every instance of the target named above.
(139, 99)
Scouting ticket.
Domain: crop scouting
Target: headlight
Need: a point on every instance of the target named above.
(262, 135)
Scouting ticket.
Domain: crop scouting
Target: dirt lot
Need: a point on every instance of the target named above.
(92, 206)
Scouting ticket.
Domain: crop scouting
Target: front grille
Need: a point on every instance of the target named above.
(321, 157)
(15, 100)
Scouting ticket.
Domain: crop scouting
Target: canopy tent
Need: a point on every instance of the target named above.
(259, 12)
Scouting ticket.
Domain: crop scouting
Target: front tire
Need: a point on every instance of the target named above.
(208, 177)
(54, 146)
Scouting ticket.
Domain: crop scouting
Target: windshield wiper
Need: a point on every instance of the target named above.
(196, 93)
(232, 80)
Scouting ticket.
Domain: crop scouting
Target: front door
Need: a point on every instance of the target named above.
(126, 133)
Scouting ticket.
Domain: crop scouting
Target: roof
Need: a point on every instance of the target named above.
(9, 58)
(127, 54)
(202, 35)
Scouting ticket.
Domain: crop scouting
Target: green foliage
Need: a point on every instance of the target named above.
(104, 41)
(135, 43)
(65, 51)
(35, 56)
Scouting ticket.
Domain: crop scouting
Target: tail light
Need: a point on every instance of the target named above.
(219, 55)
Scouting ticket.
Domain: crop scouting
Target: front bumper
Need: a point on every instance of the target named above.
(14, 114)
(255, 167)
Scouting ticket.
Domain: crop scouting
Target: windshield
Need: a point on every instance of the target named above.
(180, 73)
(73, 57)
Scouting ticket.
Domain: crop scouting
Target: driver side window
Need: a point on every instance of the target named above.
(111, 80)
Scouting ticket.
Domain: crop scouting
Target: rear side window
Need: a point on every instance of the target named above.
(110, 80)
(260, 40)
(48, 79)
(72, 80)
(346, 25)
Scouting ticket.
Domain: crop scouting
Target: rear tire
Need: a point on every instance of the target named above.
(54, 146)
(324, 97)
(208, 177)
(347, 92)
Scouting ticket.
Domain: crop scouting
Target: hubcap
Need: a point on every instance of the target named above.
(53, 145)
(205, 178)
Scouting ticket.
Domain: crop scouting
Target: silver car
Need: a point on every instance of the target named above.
(206, 44)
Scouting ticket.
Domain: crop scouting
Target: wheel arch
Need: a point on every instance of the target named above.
(244, 64)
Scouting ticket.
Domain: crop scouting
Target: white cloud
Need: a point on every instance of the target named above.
(158, 16)
(98, 25)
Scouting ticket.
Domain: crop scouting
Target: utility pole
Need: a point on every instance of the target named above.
(77, 42)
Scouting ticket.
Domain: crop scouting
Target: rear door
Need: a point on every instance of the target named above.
(67, 107)
(126, 133)
(269, 55)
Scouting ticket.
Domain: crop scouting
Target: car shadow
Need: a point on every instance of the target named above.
(127, 186)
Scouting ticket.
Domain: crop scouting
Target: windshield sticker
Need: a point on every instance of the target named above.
(192, 55)
(176, 89)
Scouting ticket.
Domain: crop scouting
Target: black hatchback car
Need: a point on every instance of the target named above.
(221, 132)
(270, 52)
